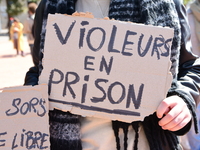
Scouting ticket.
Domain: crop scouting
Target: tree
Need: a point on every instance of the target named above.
(14, 7)
(186, 2)
(32, 1)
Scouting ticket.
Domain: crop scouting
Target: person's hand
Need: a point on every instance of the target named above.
(174, 113)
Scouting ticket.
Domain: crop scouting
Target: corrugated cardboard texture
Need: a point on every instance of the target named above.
(24, 118)
(106, 68)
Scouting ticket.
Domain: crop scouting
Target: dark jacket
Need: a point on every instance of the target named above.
(188, 84)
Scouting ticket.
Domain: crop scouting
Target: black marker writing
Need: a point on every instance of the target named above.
(59, 33)
(103, 85)
(34, 105)
(155, 45)
(30, 140)
(2, 141)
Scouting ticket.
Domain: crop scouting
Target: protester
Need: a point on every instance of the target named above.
(11, 20)
(174, 115)
(28, 24)
(16, 32)
(191, 141)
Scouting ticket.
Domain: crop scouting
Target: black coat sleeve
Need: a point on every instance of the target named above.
(187, 86)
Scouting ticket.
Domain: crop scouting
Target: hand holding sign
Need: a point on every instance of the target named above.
(176, 112)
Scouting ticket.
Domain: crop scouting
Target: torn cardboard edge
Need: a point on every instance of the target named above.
(91, 16)
(23, 88)
(64, 103)
(24, 120)
(41, 89)
(25, 99)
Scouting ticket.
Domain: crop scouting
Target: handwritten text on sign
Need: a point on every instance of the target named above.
(106, 68)
(24, 118)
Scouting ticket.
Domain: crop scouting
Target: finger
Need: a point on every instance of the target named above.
(162, 109)
(171, 115)
(181, 124)
(174, 122)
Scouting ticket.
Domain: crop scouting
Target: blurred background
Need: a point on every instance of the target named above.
(18, 8)
(13, 67)
(13, 8)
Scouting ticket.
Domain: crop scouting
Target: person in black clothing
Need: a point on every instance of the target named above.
(173, 116)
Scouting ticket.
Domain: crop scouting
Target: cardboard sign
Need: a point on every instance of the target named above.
(24, 118)
(106, 68)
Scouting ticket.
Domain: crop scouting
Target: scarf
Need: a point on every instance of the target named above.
(65, 127)
(195, 7)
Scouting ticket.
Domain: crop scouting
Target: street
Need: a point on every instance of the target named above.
(13, 68)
